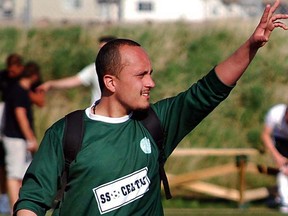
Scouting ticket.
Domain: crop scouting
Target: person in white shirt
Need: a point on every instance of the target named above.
(275, 139)
(86, 77)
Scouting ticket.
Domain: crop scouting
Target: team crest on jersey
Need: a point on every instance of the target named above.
(120, 192)
(145, 145)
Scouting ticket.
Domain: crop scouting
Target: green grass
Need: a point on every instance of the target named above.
(211, 207)
(221, 211)
(213, 211)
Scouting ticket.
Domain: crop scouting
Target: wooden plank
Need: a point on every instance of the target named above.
(222, 192)
(214, 152)
(256, 194)
(213, 190)
(252, 168)
(201, 174)
(191, 182)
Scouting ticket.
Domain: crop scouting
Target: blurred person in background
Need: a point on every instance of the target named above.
(86, 77)
(275, 139)
(8, 77)
(11, 74)
(116, 172)
(18, 133)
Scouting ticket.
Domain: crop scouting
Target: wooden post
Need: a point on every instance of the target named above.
(241, 162)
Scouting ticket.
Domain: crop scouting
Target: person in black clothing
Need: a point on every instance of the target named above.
(18, 135)
(11, 74)
(8, 76)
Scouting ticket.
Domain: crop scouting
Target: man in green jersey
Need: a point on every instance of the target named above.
(116, 170)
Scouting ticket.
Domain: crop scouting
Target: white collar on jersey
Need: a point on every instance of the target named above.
(105, 118)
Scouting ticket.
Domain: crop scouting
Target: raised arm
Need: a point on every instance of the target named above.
(231, 69)
(64, 83)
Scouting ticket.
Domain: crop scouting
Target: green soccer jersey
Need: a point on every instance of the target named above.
(116, 170)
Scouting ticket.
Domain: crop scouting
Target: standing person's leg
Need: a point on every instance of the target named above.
(3, 188)
(4, 201)
(2, 169)
(16, 166)
(282, 183)
(13, 186)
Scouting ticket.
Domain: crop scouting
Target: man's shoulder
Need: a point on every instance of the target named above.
(16, 87)
(3, 74)
(89, 68)
(278, 108)
(16, 92)
(88, 74)
(56, 127)
(275, 113)
(5, 80)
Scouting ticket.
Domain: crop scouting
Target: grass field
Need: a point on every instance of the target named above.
(212, 207)
(221, 211)
(215, 211)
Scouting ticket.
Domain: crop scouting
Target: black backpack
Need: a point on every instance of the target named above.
(72, 142)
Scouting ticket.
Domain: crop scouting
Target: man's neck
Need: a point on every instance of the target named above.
(25, 83)
(109, 108)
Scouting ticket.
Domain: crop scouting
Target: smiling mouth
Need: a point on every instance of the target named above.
(146, 94)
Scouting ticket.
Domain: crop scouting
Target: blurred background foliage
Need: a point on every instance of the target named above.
(181, 53)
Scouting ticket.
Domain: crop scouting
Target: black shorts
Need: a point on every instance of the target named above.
(282, 146)
(2, 154)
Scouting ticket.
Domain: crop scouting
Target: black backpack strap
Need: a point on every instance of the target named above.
(72, 142)
(153, 125)
(73, 135)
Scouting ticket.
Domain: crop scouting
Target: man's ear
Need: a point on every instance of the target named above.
(109, 82)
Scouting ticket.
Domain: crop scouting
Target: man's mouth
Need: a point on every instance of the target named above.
(146, 94)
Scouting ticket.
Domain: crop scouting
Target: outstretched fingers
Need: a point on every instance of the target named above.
(269, 11)
(275, 6)
(269, 21)
(275, 20)
(280, 25)
(266, 15)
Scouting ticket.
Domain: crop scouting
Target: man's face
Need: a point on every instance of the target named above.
(15, 70)
(134, 82)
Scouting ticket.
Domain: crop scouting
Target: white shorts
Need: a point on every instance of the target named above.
(17, 157)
